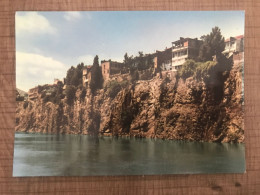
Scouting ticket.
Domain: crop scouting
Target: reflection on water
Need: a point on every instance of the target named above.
(79, 155)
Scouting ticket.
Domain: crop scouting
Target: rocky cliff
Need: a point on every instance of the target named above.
(176, 108)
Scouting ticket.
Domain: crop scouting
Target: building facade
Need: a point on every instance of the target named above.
(183, 49)
(234, 45)
(86, 75)
(162, 60)
(33, 93)
(110, 68)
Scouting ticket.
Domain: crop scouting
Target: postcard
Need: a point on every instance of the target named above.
(129, 93)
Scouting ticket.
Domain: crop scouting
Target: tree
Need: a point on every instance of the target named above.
(213, 44)
(129, 62)
(69, 75)
(126, 58)
(96, 81)
(70, 94)
(74, 75)
(140, 61)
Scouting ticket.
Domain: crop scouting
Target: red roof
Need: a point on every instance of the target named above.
(237, 37)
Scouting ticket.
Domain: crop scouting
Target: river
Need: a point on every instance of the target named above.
(38, 154)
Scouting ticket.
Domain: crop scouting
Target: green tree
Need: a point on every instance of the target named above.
(96, 81)
(69, 76)
(213, 44)
(140, 61)
(74, 75)
(126, 58)
(129, 62)
(70, 94)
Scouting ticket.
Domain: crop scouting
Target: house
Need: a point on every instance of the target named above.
(234, 48)
(162, 60)
(57, 81)
(86, 75)
(234, 45)
(183, 49)
(33, 93)
(110, 68)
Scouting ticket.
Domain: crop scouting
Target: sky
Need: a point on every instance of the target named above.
(49, 43)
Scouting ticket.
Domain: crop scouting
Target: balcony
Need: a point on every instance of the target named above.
(176, 61)
(179, 48)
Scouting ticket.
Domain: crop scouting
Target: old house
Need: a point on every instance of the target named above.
(110, 68)
(86, 75)
(33, 93)
(234, 45)
(57, 81)
(234, 48)
(183, 49)
(162, 60)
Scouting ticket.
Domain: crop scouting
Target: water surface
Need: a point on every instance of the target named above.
(81, 155)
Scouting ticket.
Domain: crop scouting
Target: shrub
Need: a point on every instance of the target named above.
(205, 70)
(114, 87)
(188, 69)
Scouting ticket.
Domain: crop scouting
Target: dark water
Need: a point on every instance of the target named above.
(79, 155)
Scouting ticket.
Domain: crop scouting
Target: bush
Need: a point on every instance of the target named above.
(205, 70)
(114, 87)
(188, 69)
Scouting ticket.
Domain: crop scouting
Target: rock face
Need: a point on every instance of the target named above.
(157, 108)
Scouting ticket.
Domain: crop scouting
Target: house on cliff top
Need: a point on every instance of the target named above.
(86, 75)
(183, 49)
(110, 68)
(33, 93)
(234, 45)
(234, 48)
(162, 60)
